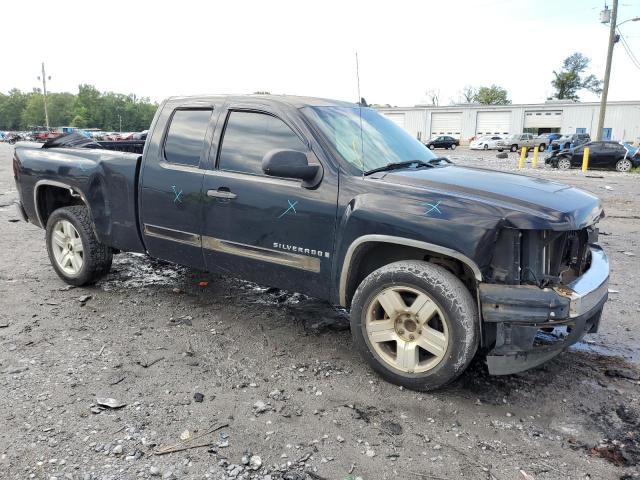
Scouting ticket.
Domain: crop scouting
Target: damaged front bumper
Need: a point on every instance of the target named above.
(527, 317)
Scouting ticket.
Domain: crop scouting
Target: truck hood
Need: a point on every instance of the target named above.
(525, 202)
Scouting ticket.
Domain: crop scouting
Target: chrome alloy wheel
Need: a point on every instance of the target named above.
(564, 164)
(623, 165)
(406, 329)
(67, 247)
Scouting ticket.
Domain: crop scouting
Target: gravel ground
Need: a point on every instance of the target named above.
(99, 382)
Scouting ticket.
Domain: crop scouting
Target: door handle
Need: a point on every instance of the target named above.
(222, 192)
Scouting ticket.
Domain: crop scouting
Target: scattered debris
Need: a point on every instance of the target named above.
(182, 445)
(622, 373)
(526, 476)
(319, 316)
(4, 324)
(148, 363)
(84, 299)
(203, 283)
(260, 407)
(109, 402)
(183, 320)
(392, 427)
(198, 397)
(255, 462)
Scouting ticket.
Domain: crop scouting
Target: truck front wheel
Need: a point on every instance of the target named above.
(74, 251)
(415, 323)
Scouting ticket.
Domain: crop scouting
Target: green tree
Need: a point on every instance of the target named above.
(493, 95)
(78, 121)
(89, 108)
(572, 78)
(11, 108)
(33, 112)
(60, 106)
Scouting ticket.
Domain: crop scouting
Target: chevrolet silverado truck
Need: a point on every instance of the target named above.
(434, 261)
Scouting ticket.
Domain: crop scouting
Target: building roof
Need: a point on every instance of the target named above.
(547, 105)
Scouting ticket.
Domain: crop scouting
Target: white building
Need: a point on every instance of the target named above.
(622, 119)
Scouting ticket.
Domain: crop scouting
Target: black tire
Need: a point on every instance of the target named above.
(514, 148)
(500, 150)
(542, 147)
(97, 257)
(431, 146)
(453, 146)
(486, 147)
(452, 298)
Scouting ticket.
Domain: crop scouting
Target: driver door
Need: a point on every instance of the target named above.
(269, 230)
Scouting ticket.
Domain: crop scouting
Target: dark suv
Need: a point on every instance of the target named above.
(443, 141)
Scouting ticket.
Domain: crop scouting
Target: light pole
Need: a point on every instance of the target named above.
(44, 79)
(120, 118)
(607, 72)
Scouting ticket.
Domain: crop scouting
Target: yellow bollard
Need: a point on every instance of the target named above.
(523, 155)
(534, 162)
(585, 159)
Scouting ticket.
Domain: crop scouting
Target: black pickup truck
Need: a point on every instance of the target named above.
(435, 262)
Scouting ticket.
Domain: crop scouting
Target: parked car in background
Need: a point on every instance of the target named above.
(570, 140)
(548, 138)
(516, 141)
(443, 141)
(602, 155)
(486, 142)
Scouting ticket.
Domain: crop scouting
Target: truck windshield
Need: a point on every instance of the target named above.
(378, 143)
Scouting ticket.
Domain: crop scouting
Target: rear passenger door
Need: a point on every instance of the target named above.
(171, 185)
(266, 229)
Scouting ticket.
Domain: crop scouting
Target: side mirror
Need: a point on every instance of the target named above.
(292, 164)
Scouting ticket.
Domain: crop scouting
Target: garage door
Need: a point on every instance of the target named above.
(543, 119)
(446, 124)
(493, 123)
(397, 118)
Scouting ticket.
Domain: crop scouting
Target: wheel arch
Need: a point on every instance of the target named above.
(370, 252)
(49, 195)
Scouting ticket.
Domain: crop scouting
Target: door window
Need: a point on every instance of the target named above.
(186, 136)
(248, 136)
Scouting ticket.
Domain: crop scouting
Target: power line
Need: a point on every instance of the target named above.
(627, 48)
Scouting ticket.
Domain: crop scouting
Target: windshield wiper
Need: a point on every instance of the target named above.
(439, 160)
(398, 165)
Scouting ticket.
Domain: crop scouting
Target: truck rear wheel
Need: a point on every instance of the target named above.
(74, 251)
(415, 323)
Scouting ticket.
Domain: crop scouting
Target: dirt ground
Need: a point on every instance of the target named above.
(277, 376)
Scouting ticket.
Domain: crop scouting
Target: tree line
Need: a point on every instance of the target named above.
(89, 108)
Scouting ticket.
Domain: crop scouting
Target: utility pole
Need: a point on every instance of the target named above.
(607, 73)
(120, 118)
(44, 90)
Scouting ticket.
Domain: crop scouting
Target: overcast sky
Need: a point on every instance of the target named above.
(158, 49)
